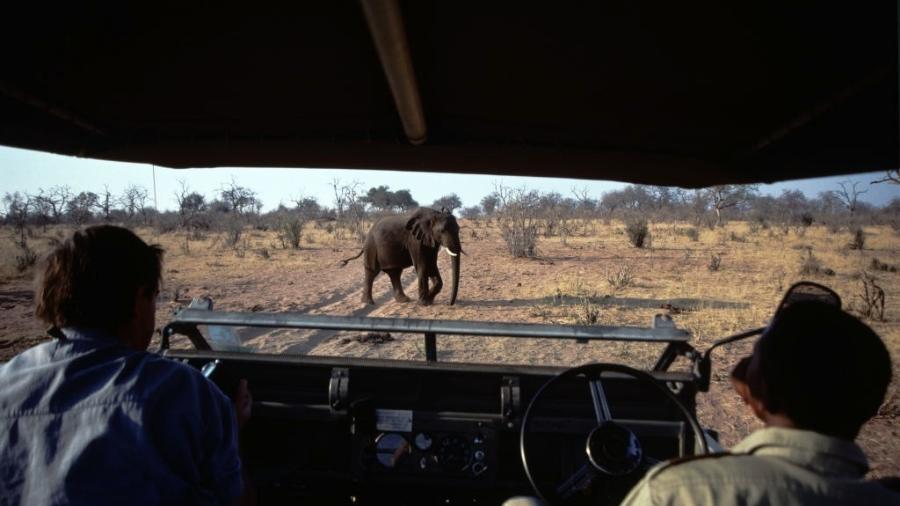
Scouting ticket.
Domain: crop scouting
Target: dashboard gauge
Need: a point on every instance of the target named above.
(390, 449)
(454, 454)
(423, 441)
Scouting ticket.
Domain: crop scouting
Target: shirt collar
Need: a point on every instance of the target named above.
(824, 454)
(88, 334)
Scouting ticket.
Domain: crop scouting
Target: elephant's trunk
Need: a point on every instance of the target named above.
(454, 265)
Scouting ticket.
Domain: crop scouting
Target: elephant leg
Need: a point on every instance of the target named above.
(397, 284)
(422, 280)
(437, 284)
(367, 286)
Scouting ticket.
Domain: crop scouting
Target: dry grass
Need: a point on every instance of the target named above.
(568, 283)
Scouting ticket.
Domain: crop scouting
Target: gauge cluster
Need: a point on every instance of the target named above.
(434, 446)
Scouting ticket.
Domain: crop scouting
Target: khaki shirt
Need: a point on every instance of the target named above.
(771, 466)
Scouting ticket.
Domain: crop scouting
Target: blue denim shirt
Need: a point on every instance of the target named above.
(86, 420)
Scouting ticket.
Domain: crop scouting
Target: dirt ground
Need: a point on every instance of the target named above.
(598, 278)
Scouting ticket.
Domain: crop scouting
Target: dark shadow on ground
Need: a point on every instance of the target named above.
(16, 296)
(317, 337)
(629, 302)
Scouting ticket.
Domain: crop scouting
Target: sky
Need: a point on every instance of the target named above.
(26, 171)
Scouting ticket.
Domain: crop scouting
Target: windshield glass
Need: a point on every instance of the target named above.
(530, 250)
(543, 251)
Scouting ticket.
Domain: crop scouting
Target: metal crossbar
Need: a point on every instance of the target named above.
(193, 317)
(187, 321)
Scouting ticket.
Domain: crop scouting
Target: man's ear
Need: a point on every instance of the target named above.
(743, 390)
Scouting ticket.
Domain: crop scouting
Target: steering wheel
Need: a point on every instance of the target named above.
(610, 449)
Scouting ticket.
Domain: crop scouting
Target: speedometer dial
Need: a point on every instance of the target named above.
(390, 449)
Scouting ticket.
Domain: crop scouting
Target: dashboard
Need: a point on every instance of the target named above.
(362, 431)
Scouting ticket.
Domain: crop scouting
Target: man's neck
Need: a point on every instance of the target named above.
(778, 420)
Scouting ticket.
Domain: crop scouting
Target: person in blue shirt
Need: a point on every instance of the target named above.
(91, 417)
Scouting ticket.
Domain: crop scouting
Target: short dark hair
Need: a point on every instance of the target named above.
(92, 278)
(821, 367)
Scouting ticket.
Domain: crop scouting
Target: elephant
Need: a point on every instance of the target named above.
(397, 242)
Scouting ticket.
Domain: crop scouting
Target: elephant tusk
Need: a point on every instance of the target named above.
(449, 252)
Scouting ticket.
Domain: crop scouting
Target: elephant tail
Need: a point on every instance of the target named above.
(344, 261)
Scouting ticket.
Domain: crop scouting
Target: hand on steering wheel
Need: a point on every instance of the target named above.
(610, 449)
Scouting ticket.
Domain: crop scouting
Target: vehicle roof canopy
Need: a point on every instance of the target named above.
(661, 92)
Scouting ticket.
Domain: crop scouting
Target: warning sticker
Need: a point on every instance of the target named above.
(393, 420)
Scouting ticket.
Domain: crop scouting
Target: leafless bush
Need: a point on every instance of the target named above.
(26, 258)
(736, 237)
(233, 233)
(878, 265)
(521, 240)
(620, 278)
(858, 242)
(350, 209)
(290, 230)
(517, 216)
(240, 249)
(871, 298)
(715, 262)
(806, 219)
(638, 232)
(690, 232)
(263, 253)
(588, 312)
(812, 266)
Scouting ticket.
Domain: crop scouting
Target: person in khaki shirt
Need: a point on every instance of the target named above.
(815, 377)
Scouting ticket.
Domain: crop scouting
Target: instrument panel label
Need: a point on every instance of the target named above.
(393, 420)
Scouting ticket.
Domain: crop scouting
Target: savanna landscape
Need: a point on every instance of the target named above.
(716, 269)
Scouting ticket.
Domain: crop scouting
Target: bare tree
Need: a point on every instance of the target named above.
(80, 208)
(892, 176)
(134, 200)
(190, 204)
(849, 194)
(16, 210)
(726, 196)
(50, 204)
(351, 210)
(107, 203)
(451, 202)
(239, 199)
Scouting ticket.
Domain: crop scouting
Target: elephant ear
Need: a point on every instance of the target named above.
(420, 227)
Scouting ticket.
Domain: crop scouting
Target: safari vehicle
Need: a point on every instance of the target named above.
(665, 93)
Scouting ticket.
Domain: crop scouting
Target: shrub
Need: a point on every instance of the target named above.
(690, 232)
(812, 266)
(806, 219)
(715, 262)
(166, 223)
(858, 242)
(518, 219)
(621, 278)
(26, 257)
(233, 233)
(871, 298)
(878, 265)
(521, 240)
(290, 231)
(638, 232)
(589, 313)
